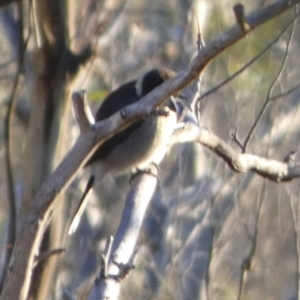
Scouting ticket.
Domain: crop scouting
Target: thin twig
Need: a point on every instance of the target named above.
(7, 135)
(248, 260)
(105, 258)
(239, 13)
(248, 64)
(291, 90)
(267, 101)
(49, 253)
(36, 24)
(195, 105)
(295, 218)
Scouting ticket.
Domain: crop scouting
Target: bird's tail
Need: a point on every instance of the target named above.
(81, 206)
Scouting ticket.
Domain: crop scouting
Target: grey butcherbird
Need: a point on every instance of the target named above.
(142, 143)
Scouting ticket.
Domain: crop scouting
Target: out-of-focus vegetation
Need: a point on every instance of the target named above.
(210, 233)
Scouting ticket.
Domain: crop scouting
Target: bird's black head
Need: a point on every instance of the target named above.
(152, 79)
(132, 91)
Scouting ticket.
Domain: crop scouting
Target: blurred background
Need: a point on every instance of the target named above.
(209, 233)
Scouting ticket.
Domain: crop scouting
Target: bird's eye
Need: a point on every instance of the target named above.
(123, 112)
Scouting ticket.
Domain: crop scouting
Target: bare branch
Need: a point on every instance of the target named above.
(17, 281)
(108, 287)
(291, 90)
(250, 62)
(272, 169)
(105, 257)
(49, 253)
(268, 168)
(7, 135)
(83, 112)
(247, 262)
(268, 98)
(239, 13)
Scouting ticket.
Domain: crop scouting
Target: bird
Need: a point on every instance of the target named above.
(137, 146)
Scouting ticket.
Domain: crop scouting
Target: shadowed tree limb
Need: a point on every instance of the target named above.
(28, 239)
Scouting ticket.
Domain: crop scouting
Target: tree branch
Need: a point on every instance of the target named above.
(120, 261)
(18, 278)
(244, 162)
(240, 162)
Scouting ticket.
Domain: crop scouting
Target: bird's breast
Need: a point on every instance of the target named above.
(147, 143)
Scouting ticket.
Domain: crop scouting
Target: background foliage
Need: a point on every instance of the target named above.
(210, 232)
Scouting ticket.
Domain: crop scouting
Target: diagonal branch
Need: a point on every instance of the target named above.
(240, 162)
(27, 243)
